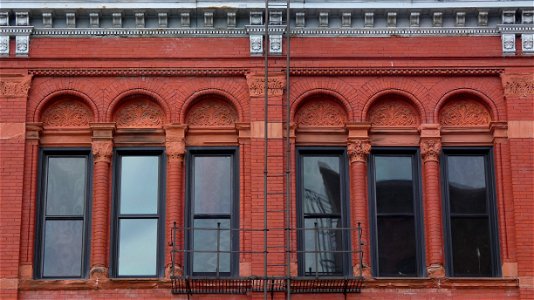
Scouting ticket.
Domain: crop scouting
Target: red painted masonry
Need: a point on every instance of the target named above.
(418, 80)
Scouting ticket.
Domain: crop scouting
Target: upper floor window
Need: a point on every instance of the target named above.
(323, 237)
(395, 210)
(63, 214)
(470, 213)
(212, 206)
(138, 218)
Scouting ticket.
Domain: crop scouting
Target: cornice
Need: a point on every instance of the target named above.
(144, 32)
(134, 72)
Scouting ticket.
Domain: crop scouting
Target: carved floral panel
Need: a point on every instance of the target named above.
(211, 112)
(393, 113)
(139, 112)
(321, 113)
(67, 113)
(464, 112)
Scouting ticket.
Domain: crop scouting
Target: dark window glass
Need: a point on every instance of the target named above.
(396, 246)
(471, 253)
(63, 219)
(138, 220)
(213, 204)
(323, 233)
(467, 184)
(396, 206)
(472, 247)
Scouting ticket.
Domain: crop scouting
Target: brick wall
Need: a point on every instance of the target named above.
(445, 76)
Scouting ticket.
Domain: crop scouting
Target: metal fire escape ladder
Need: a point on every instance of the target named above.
(287, 283)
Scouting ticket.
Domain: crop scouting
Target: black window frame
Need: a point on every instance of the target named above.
(189, 218)
(44, 154)
(417, 207)
(116, 216)
(344, 215)
(491, 207)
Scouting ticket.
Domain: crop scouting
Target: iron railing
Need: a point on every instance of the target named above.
(184, 281)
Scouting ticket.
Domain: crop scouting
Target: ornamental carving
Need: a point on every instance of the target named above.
(321, 113)
(393, 113)
(275, 85)
(102, 151)
(358, 150)
(430, 149)
(139, 113)
(12, 89)
(520, 87)
(212, 112)
(67, 113)
(175, 149)
(464, 112)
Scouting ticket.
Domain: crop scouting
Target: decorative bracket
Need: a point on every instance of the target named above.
(256, 34)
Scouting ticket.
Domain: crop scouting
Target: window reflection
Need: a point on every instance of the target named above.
(321, 208)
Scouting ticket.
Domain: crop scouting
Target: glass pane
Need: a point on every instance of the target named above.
(321, 182)
(471, 250)
(327, 237)
(206, 240)
(396, 246)
(138, 247)
(63, 249)
(139, 185)
(66, 186)
(467, 184)
(212, 192)
(394, 184)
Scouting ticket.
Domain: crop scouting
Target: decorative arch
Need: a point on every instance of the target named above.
(138, 111)
(152, 101)
(393, 108)
(66, 108)
(323, 91)
(465, 107)
(213, 99)
(320, 110)
(211, 111)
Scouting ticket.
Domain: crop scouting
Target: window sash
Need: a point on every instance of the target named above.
(384, 223)
(146, 241)
(489, 217)
(56, 241)
(229, 236)
(334, 261)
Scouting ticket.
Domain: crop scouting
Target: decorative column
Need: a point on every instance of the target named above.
(175, 150)
(430, 144)
(102, 149)
(358, 151)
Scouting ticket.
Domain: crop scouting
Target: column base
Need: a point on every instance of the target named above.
(435, 271)
(99, 273)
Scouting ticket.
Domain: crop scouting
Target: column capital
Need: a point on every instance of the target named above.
(102, 151)
(518, 85)
(174, 141)
(430, 149)
(175, 149)
(15, 85)
(33, 131)
(276, 84)
(358, 150)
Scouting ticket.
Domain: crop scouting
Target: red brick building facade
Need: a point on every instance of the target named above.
(438, 110)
